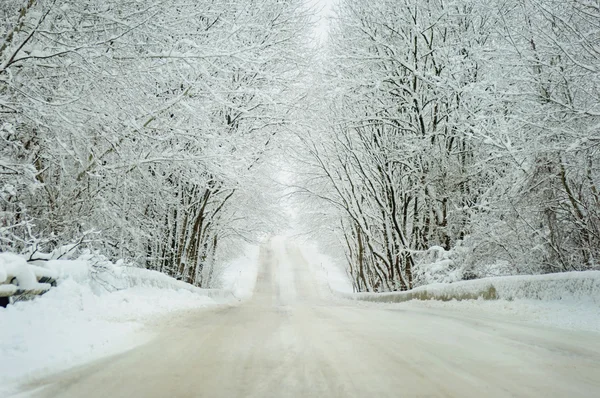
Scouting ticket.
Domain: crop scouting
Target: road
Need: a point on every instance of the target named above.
(293, 340)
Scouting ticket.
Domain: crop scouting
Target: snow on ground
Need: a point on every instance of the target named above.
(91, 314)
(71, 324)
(239, 275)
(327, 269)
(569, 300)
(285, 272)
(564, 314)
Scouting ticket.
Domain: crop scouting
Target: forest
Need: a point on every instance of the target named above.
(460, 139)
(426, 140)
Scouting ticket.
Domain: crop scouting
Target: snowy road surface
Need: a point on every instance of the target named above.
(292, 340)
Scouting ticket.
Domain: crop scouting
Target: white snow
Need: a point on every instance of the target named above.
(12, 265)
(239, 275)
(93, 312)
(327, 269)
(568, 286)
(71, 324)
(9, 289)
(285, 272)
(435, 265)
(100, 308)
(564, 314)
(568, 300)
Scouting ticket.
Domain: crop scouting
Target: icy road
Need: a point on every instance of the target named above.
(292, 340)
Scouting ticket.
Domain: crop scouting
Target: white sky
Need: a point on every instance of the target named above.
(324, 9)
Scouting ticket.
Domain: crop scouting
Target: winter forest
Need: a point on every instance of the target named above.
(419, 141)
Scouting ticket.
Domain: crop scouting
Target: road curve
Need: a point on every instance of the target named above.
(292, 340)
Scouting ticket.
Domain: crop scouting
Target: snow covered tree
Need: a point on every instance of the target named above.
(545, 213)
(400, 156)
(141, 122)
(464, 127)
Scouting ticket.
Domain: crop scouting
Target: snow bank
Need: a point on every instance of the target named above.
(566, 300)
(71, 324)
(138, 277)
(97, 309)
(564, 314)
(103, 275)
(573, 286)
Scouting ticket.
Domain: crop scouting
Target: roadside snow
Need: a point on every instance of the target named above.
(568, 300)
(327, 270)
(573, 315)
(103, 276)
(239, 275)
(97, 309)
(567, 286)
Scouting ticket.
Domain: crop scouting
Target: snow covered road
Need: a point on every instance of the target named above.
(293, 340)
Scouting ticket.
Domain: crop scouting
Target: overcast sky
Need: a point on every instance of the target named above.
(324, 7)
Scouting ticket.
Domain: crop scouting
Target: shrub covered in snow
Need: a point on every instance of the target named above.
(435, 265)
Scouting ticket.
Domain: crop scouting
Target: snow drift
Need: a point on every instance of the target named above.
(576, 286)
(95, 270)
(99, 308)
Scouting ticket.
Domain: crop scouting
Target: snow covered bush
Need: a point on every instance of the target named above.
(436, 265)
